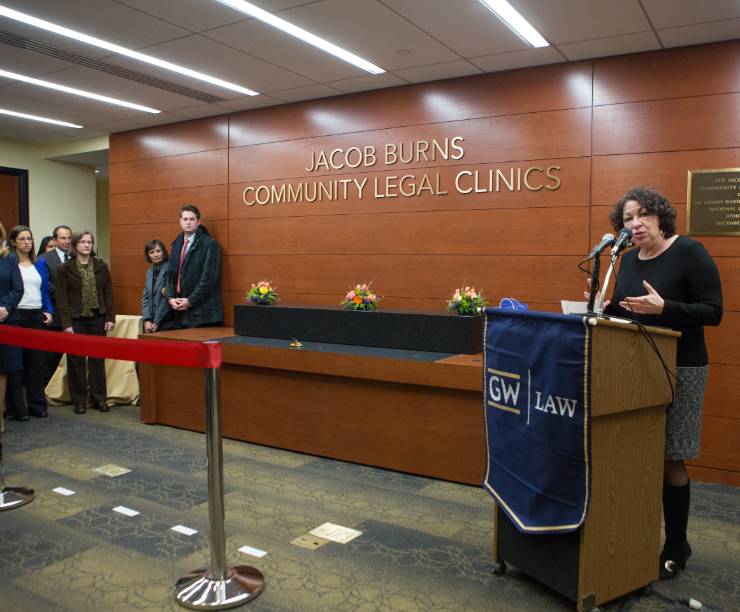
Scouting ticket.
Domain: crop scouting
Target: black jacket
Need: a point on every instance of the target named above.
(200, 279)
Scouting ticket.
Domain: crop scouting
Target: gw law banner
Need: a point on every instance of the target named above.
(538, 413)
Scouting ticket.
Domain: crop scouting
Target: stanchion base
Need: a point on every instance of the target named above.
(200, 591)
(14, 497)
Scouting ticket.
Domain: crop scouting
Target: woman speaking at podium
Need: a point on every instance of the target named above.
(670, 281)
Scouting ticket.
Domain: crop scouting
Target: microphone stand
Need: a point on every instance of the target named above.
(594, 285)
(600, 306)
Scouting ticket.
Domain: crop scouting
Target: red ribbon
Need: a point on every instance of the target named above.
(158, 352)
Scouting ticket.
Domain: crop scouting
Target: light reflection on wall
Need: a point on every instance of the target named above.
(157, 143)
(444, 107)
(328, 120)
(579, 84)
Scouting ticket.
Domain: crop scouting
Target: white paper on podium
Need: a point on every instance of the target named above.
(574, 307)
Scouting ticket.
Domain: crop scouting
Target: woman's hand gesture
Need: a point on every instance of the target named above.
(650, 304)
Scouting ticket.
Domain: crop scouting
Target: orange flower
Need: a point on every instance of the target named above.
(357, 300)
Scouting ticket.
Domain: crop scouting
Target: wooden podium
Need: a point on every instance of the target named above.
(617, 548)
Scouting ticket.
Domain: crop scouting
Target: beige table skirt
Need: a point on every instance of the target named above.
(121, 380)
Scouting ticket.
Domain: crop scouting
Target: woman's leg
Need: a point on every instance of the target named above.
(3, 383)
(17, 393)
(96, 367)
(674, 473)
(77, 373)
(34, 366)
(683, 441)
(676, 503)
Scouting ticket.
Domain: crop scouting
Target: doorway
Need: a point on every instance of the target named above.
(13, 197)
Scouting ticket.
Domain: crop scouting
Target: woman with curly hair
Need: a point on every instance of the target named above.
(670, 281)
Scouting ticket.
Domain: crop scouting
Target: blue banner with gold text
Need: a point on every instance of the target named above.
(538, 417)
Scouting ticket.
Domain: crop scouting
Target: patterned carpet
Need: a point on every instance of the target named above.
(425, 544)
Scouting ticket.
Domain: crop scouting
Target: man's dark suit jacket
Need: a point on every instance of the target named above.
(53, 261)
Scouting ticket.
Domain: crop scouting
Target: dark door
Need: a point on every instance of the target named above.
(13, 197)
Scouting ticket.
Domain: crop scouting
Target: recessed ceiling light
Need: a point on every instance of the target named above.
(5, 111)
(77, 92)
(276, 22)
(104, 44)
(517, 24)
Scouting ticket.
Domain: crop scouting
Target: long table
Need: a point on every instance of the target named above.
(413, 412)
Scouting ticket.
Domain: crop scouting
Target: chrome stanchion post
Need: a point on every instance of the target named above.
(11, 497)
(219, 586)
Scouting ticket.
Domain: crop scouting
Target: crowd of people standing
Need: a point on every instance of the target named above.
(63, 286)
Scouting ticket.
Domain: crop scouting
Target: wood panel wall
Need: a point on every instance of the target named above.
(608, 124)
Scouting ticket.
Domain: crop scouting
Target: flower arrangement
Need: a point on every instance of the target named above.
(466, 301)
(360, 297)
(263, 293)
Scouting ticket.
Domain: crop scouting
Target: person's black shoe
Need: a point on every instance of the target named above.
(102, 406)
(40, 415)
(673, 559)
(22, 418)
(80, 409)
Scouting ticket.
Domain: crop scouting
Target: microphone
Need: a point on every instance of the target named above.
(606, 241)
(623, 241)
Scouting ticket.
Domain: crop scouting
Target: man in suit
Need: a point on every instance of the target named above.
(55, 258)
(58, 255)
(194, 275)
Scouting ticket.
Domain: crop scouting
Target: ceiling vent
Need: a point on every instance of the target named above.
(75, 58)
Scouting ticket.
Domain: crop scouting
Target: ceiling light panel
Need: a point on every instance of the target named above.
(114, 48)
(193, 15)
(293, 30)
(74, 91)
(465, 27)
(106, 19)
(577, 20)
(11, 113)
(518, 24)
(259, 40)
(198, 50)
(375, 29)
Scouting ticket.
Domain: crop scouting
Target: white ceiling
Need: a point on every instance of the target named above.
(413, 40)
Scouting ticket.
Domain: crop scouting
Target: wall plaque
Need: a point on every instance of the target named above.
(713, 202)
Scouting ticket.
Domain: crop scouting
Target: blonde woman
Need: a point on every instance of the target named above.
(11, 292)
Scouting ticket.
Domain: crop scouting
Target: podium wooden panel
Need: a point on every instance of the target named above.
(617, 549)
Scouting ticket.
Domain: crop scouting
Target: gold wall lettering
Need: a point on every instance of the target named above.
(411, 184)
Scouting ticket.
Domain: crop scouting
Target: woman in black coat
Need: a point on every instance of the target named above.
(84, 299)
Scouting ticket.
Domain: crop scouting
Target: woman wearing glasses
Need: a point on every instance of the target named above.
(671, 281)
(26, 387)
(84, 296)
